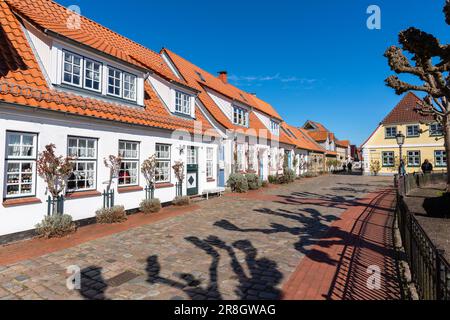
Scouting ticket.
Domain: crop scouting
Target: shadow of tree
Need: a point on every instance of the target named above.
(93, 286)
(260, 284)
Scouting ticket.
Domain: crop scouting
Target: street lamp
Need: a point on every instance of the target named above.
(400, 141)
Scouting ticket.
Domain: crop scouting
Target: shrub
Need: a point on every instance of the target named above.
(238, 183)
(115, 214)
(254, 182)
(289, 175)
(56, 226)
(265, 184)
(181, 201)
(150, 206)
(273, 179)
(311, 174)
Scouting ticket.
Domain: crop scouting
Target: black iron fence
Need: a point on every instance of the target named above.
(55, 205)
(149, 192)
(430, 270)
(108, 198)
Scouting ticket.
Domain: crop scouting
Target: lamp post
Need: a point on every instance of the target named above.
(400, 141)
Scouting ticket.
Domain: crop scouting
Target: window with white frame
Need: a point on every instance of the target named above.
(440, 158)
(275, 127)
(412, 131)
(436, 129)
(391, 132)
(20, 164)
(72, 66)
(162, 171)
(192, 158)
(182, 102)
(129, 86)
(413, 158)
(92, 75)
(209, 163)
(84, 153)
(129, 167)
(388, 158)
(240, 116)
(114, 82)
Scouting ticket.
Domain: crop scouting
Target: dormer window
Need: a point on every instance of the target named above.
(129, 86)
(114, 82)
(240, 116)
(92, 75)
(275, 127)
(121, 84)
(182, 103)
(72, 69)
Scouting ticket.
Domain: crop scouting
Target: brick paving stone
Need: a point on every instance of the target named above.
(234, 247)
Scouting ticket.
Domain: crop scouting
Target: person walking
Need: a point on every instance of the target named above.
(427, 167)
(350, 166)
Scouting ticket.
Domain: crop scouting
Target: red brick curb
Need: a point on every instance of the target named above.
(37, 247)
(361, 238)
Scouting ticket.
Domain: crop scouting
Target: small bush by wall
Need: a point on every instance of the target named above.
(181, 201)
(238, 183)
(254, 182)
(150, 206)
(115, 214)
(289, 176)
(265, 184)
(56, 226)
(273, 179)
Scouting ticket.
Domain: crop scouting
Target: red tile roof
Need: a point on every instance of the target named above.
(343, 143)
(319, 136)
(404, 111)
(301, 139)
(22, 81)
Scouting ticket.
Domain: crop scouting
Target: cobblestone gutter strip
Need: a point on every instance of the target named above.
(409, 291)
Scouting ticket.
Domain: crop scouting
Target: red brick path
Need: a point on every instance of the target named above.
(337, 266)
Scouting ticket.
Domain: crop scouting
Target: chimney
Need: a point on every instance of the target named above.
(223, 75)
(253, 94)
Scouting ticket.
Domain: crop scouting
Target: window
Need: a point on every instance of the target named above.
(388, 159)
(92, 75)
(128, 173)
(162, 171)
(240, 117)
(440, 158)
(182, 102)
(209, 162)
(436, 129)
(129, 87)
(72, 68)
(413, 158)
(84, 151)
(391, 132)
(114, 82)
(412, 131)
(192, 156)
(20, 164)
(200, 76)
(275, 127)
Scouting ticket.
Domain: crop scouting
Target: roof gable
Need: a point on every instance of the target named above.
(405, 111)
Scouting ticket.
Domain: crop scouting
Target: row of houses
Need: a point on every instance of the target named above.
(68, 81)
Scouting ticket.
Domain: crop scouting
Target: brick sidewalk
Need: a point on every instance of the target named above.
(337, 266)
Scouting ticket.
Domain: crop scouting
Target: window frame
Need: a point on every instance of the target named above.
(412, 135)
(210, 162)
(124, 73)
(86, 160)
(436, 134)
(165, 160)
(133, 160)
(63, 81)
(21, 159)
(109, 68)
(408, 156)
(240, 113)
(184, 98)
(383, 156)
(444, 156)
(386, 132)
(100, 89)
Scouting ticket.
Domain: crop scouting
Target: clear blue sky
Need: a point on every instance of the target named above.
(309, 59)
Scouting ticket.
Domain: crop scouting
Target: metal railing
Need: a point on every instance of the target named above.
(429, 269)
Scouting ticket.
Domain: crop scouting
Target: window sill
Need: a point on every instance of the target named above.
(83, 194)
(20, 202)
(129, 189)
(164, 185)
(210, 180)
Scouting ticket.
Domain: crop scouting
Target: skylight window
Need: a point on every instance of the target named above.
(243, 98)
(200, 76)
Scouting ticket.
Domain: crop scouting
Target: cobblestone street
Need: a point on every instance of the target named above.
(235, 247)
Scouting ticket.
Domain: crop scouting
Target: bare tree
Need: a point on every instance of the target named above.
(429, 61)
(113, 163)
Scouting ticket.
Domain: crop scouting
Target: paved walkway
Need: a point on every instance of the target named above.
(234, 247)
(357, 246)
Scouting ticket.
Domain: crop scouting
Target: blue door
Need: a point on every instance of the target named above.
(221, 172)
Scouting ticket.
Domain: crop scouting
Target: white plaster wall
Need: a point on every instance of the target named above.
(55, 128)
(223, 103)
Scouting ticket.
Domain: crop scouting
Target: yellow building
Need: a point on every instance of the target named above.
(423, 140)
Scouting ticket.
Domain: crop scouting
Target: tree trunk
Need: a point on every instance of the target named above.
(447, 148)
